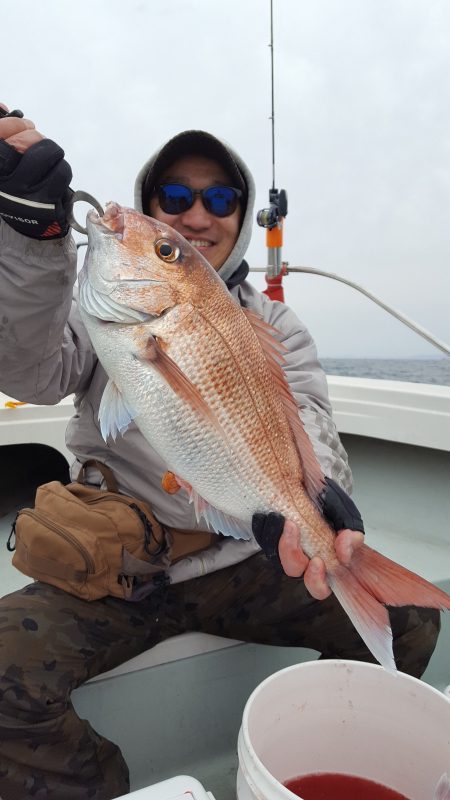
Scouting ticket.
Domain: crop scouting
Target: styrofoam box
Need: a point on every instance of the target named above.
(181, 787)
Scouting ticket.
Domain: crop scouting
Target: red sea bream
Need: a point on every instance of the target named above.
(203, 380)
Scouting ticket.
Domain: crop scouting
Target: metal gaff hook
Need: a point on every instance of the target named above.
(86, 198)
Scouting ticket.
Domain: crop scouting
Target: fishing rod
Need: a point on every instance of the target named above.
(439, 343)
(272, 218)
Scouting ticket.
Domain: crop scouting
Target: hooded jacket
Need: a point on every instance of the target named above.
(46, 355)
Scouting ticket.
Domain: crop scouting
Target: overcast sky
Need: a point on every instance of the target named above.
(362, 112)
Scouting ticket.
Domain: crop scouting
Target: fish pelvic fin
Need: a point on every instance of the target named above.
(393, 584)
(115, 414)
(442, 790)
(225, 523)
(274, 351)
(156, 358)
(368, 615)
(215, 519)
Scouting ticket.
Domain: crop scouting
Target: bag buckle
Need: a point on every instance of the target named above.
(148, 533)
(126, 582)
(9, 546)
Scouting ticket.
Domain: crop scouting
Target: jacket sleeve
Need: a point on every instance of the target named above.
(45, 352)
(308, 384)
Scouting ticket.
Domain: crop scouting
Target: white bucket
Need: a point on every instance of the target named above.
(343, 717)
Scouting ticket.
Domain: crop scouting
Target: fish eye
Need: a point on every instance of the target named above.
(166, 251)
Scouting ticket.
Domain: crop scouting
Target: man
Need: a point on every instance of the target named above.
(52, 642)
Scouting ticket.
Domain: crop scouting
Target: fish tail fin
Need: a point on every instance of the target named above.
(368, 615)
(393, 584)
(372, 580)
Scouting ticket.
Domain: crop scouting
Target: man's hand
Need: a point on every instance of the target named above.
(280, 539)
(19, 133)
(34, 180)
(296, 563)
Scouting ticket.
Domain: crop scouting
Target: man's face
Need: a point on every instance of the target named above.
(214, 237)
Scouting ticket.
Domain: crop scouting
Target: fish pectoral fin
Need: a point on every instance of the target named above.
(114, 413)
(215, 519)
(274, 352)
(157, 359)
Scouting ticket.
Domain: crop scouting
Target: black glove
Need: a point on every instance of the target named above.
(267, 530)
(34, 189)
(339, 509)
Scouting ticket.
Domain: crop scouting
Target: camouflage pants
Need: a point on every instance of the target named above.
(51, 642)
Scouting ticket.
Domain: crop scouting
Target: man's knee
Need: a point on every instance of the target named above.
(415, 632)
(30, 682)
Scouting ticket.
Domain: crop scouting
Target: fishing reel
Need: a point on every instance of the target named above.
(270, 217)
(272, 220)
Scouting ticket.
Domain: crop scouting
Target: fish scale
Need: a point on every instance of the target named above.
(260, 440)
(229, 385)
(173, 427)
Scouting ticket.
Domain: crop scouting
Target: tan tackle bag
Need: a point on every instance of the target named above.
(93, 542)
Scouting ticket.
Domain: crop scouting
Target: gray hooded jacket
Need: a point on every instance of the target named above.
(46, 354)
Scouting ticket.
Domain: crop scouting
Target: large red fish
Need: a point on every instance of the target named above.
(203, 380)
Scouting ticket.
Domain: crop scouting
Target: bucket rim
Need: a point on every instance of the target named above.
(317, 664)
(340, 663)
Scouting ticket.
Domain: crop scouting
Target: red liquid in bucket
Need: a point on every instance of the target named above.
(327, 785)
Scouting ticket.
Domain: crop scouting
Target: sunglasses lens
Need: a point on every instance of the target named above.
(174, 198)
(220, 200)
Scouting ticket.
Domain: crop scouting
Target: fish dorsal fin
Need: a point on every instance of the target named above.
(114, 413)
(274, 352)
(158, 359)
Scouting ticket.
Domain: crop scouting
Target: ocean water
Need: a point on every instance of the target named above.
(418, 370)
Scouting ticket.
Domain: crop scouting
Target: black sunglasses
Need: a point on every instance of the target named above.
(174, 198)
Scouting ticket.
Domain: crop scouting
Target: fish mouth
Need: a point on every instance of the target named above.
(112, 223)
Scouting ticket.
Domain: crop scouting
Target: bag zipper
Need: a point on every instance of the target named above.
(88, 560)
(146, 523)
